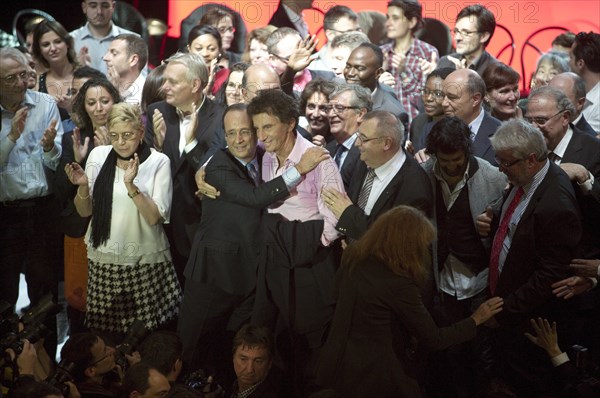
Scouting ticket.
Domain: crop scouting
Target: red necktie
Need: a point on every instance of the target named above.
(499, 239)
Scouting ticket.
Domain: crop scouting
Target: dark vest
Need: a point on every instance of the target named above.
(456, 232)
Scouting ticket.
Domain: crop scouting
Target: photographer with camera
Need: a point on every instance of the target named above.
(91, 364)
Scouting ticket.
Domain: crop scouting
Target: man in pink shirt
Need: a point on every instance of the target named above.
(298, 264)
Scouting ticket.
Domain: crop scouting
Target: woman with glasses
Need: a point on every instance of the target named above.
(502, 91)
(231, 91)
(126, 188)
(432, 97)
(205, 40)
(409, 59)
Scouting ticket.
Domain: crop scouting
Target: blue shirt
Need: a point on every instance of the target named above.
(23, 164)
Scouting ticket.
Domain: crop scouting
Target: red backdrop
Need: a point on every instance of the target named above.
(521, 18)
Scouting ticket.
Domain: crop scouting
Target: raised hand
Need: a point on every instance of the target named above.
(459, 63)
(101, 136)
(80, 150)
(545, 337)
(190, 132)
(160, 129)
(429, 66)
(47, 141)
(303, 54)
(311, 159)
(84, 57)
(132, 169)
(17, 124)
(398, 61)
(76, 174)
(388, 79)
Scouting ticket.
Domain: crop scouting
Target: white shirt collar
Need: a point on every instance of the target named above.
(476, 123)
(562, 145)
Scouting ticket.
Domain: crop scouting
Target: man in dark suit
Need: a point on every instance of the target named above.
(187, 127)
(574, 87)
(348, 104)
(577, 153)
(386, 177)
(474, 28)
(221, 270)
(538, 230)
(464, 90)
(289, 14)
(363, 67)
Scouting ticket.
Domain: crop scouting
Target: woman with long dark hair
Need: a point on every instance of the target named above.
(126, 189)
(380, 314)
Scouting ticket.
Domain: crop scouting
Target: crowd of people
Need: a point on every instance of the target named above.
(372, 219)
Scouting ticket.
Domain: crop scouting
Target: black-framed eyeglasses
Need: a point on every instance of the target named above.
(283, 59)
(363, 139)
(506, 165)
(337, 108)
(541, 121)
(464, 33)
(99, 360)
(437, 94)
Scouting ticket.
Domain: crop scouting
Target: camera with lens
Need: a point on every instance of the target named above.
(588, 372)
(63, 374)
(202, 384)
(32, 322)
(134, 336)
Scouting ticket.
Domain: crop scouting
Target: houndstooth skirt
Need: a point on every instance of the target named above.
(119, 294)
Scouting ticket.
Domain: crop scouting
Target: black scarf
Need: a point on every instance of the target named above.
(102, 198)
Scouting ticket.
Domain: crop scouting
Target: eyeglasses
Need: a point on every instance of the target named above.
(363, 139)
(223, 29)
(11, 79)
(337, 108)
(245, 133)
(506, 165)
(437, 94)
(464, 33)
(127, 136)
(100, 360)
(283, 59)
(541, 121)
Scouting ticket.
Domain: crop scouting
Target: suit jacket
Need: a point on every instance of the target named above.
(482, 147)
(377, 313)
(542, 246)
(386, 100)
(584, 126)
(185, 209)
(352, 158)
(410, 186)
(225, 251)
(485, 60)
(584, 149)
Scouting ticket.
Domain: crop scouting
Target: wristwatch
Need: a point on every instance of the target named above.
(134, 194)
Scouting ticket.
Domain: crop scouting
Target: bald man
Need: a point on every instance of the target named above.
(574, 87)
(256, 78)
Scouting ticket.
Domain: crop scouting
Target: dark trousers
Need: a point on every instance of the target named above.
(30, 241)
(462, 370)
(208, 320)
